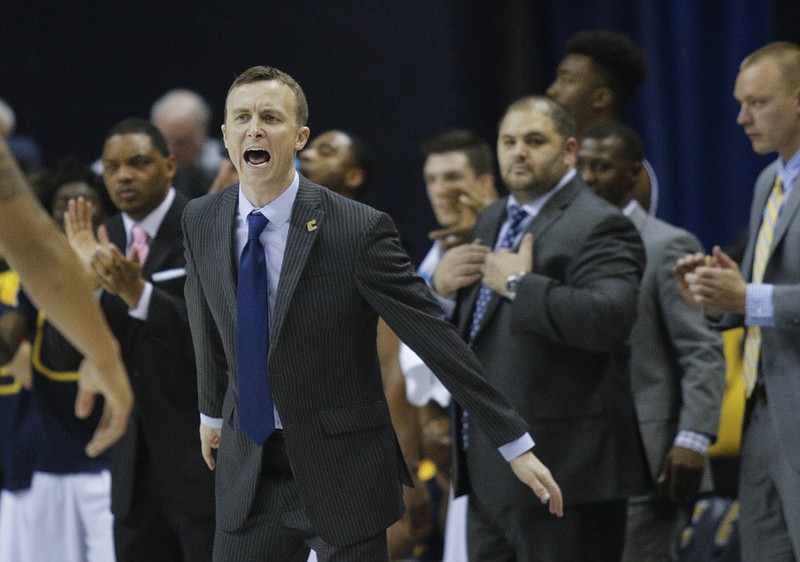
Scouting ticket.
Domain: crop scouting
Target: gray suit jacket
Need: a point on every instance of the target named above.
(324, 372)
(677, 363)
(779, 368)
(558, 352)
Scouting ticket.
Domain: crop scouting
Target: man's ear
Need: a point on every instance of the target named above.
(302, 138)
(602, 98)
(570, 152)
(354, 178)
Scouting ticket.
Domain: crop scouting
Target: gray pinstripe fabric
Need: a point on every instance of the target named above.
(336, 280)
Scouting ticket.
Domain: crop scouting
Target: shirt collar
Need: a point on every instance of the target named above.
(789, 170)
(627, 210)
(278, 211)
(152, 222)
(533, 207)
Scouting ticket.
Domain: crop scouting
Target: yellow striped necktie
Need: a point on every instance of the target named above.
(752, 340)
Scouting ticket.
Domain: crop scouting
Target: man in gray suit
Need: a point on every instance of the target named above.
(765, 297)
(331, 473)
(550, 323)
(677, 364)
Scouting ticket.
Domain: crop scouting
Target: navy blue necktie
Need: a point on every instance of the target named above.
(516, 214)
(252, 336)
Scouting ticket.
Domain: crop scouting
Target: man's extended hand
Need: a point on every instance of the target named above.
(536, 476)
(459, 267)
(111, 381)
(682, 474)
(209, 439)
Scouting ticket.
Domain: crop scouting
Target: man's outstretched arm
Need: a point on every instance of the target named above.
(56, 281)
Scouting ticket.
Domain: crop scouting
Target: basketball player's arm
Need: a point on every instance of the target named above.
(56, 281)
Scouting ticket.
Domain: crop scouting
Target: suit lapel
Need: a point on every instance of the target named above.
(163, 245)
(116, 233)
(786, 216)
(304, 226)
(223, 245)
(760, 197)
(639, 218)
(547, 216)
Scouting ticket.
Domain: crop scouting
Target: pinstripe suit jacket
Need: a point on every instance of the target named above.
(324, 373)
(779, 367)
(558, 352)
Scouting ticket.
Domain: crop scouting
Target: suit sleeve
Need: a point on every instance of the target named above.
(166, 326)
(594, 306)
(698, 348)
(786, 305)
(387, 281)
(212, 379)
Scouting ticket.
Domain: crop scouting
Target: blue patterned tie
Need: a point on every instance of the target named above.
(516, 215)
(252, 336)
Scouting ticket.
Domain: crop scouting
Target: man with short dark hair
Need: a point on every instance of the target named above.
(595, 81)
(339, 161)
(162, 494)
(677, 365)
(546, 297)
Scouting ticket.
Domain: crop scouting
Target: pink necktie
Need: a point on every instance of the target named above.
(141, 241)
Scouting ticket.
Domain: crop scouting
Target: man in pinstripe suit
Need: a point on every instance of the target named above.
(330, 476)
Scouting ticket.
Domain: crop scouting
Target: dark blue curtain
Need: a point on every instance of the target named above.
(685, 111)
(396, 72)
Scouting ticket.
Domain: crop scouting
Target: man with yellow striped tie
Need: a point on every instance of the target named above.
(765, 298)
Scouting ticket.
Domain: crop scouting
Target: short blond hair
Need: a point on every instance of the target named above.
(785, 54)
(267, 73)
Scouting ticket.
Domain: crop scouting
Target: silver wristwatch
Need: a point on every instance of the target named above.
(511, 284)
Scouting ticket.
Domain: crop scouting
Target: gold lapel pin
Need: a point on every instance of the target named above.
(311, 225)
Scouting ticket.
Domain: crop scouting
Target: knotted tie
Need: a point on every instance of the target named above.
(141, 241)
(752, 340)
(252, 336)
(516, 214)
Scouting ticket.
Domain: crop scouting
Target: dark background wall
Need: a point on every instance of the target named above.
(395, 72)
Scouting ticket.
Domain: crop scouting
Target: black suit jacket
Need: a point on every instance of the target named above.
(160, 362)
(558, 353)
(340, 272)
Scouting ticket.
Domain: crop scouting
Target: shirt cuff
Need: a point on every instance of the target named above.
(448, 305)
(698, 442)
(208, 421)
(512, 450)
(758, 305)
(140, 312)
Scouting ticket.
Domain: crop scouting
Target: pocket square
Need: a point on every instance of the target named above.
(168, 274)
